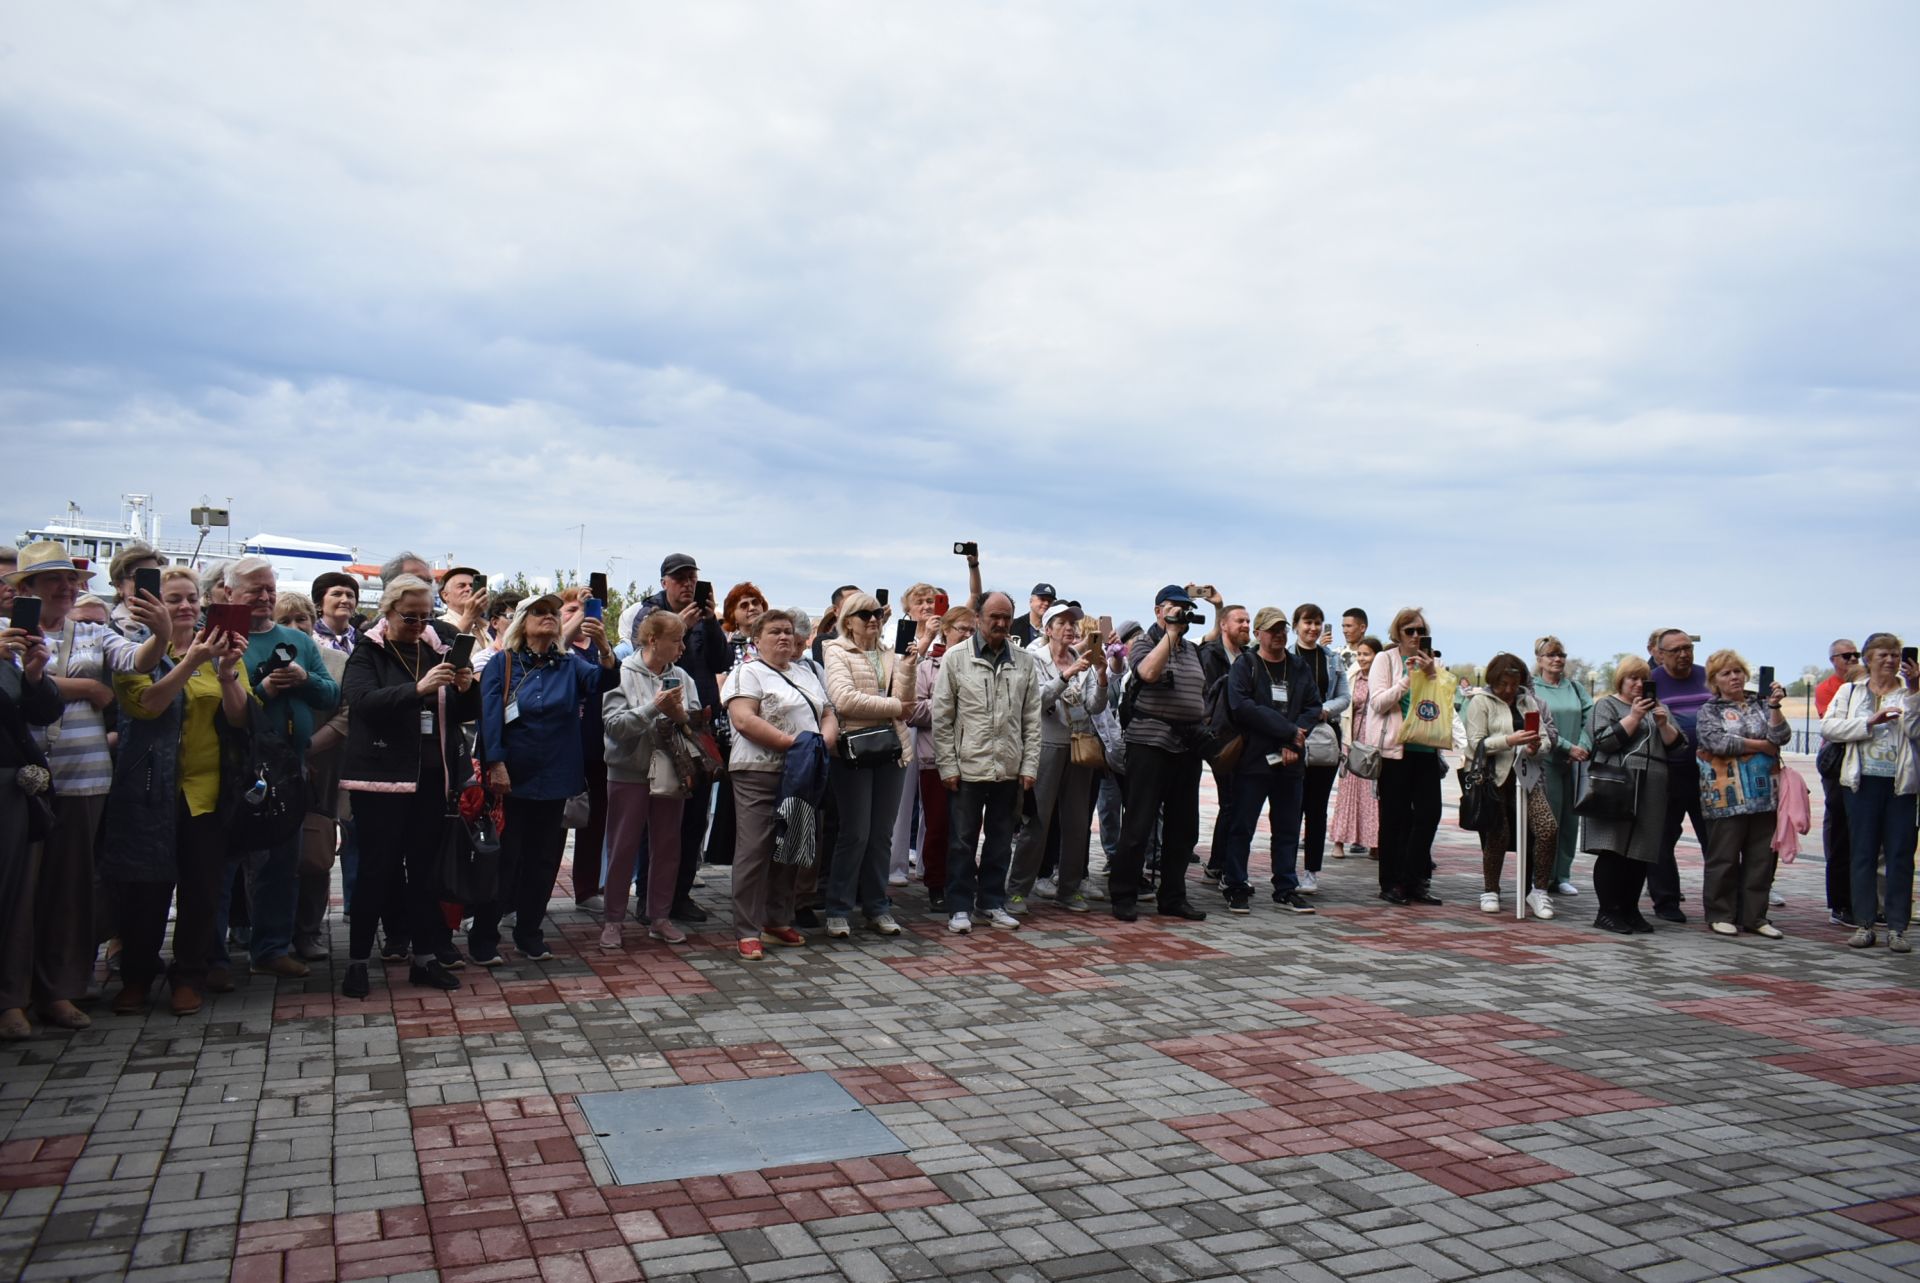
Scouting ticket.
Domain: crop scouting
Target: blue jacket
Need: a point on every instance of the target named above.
(541, 749)
(1339, 696)
(1270, 727)
(304, 709)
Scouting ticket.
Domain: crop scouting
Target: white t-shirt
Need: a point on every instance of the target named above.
(781, 706)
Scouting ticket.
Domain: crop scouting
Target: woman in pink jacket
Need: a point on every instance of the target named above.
(1410, 774)
(1356, 815)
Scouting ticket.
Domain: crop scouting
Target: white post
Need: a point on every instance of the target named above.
(1520, 844)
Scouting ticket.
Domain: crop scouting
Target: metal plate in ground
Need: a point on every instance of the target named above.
(710, 1129)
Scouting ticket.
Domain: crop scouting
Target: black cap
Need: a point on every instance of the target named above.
(677, 562)
(1172, 592)
(1045, 590)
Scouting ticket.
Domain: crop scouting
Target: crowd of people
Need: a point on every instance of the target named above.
(203, 748)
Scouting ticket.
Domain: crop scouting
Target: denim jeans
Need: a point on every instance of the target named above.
(1282, 791)
(976, 869)
(1110, 803)
(273, 897)
(1881, 821)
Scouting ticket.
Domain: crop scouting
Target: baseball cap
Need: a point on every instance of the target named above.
(1268, 617)
(1044, 590)
(1172, 592)
(677, 562)
(1063, 608)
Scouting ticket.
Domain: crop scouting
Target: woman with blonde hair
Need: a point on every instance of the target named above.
(1410, 774)
(1740, 741)
(872, 691)
(1630, 731)
(645, 790)
(1569, 705)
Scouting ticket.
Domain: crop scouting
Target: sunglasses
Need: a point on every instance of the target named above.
(413, 619)
(1848, 655)
(868, 615)
(1415, 632)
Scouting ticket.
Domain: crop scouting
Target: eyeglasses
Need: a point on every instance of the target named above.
(868, 615)
(1677, 650)
(1554, 654)
(1848, 655)
(413, 619)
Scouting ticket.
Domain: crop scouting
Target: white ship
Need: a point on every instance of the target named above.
(295, 561)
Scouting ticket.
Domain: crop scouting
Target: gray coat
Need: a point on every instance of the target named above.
(143, 804)
(1637, 838)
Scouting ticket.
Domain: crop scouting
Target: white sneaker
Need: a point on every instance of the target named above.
(960, 924)
(838, 929)
(885, 925)
(1002, 919)
(1046, 888)
(1565, 888)
(1489, 902)
(897, 878)
(1777, 900)
(1308, 884)
(1539, 904)
(1017, 905)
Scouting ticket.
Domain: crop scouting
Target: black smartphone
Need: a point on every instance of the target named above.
(597, 584)
(25, 613)
(479, 583)
(1766, 681)
(461, 655)
(1910, 654)
(703, 593)
(968, 549)
(147, 580)
(880, 595)
(1426, 644)
(904, 631)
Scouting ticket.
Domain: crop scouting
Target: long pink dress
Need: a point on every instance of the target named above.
(1356, 813)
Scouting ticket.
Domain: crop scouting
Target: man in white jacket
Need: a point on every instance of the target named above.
(986, 747)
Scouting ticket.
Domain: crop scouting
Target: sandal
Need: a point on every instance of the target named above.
(751, 951)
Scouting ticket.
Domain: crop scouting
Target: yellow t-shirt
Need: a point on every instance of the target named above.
(199, 738)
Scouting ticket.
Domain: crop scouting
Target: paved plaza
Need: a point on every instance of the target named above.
(1372, 1093)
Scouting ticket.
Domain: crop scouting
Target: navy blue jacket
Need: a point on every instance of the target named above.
(1270, 727)
(541, 749)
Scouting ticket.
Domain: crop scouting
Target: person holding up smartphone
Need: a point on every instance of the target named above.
(647, 780)
(28, 698)
(1505, 719)
(136, 566)
(1410, 774)
(1878, 720)
(1629, 730)
(1740, 740)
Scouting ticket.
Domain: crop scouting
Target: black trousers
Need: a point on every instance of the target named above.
(1683, 802)
(531, 841)
(1223, 818)
(1409, 817)
(200, 860)
(1318, 791)
(1164, 788)
(1836, 840)
(693, 834)
(1617, 882)
(399, 877)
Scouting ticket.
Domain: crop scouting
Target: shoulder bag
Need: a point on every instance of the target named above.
(1607, 789)
(1480, 809)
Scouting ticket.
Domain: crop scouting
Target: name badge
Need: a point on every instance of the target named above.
(1273, 759)
(426, 721)
(1279, 691)
(513, 712)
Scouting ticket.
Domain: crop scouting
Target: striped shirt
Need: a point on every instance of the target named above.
(76, 746)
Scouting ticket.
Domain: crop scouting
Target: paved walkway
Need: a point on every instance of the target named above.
(1371, 1093)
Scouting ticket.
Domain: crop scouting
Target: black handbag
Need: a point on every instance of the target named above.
(263, 785)
(470, 860)
(1480, 809)
(1609, 791)
(871, 746)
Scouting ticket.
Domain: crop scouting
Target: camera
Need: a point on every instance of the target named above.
(283, 656)
(968, 549)
(1190, 617)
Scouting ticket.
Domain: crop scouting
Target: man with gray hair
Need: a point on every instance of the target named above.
(291, 679)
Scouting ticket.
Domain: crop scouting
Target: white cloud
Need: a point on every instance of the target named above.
(1374, 304)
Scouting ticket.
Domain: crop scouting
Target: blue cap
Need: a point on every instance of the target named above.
(1172, 592)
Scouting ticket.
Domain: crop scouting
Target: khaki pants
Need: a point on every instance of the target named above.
(1739, 868)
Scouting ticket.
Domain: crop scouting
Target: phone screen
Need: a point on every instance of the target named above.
(1910, 654)
(597, 585)
(147, 580)
(26, 613)
(461, 656)
(703, 593)
(1766, 681)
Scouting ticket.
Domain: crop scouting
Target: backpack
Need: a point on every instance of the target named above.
(263, 784)
(1227, 741)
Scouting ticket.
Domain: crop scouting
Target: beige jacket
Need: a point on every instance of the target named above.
(856, 696)
(986, 720)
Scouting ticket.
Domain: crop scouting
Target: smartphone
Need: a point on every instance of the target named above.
(1106, 626)
(1533, 723)
(1766, 681)
(880, 595)
(904, 631)
(669, 683)
(231, 617)
(594, 608)
(703, 593)
(968, 549)
(1427, 646)
(941, 605)
(461, 656)
(147, 580)
(597, 585)
(26, 613)
(479, 583)
(1910, 654)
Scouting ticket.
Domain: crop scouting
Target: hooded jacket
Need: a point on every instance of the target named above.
(385, 750)
(633, 727)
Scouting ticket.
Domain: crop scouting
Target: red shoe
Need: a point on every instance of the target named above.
(750, 950)
(783, 935)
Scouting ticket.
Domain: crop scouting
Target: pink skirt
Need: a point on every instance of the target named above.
(1356, 813)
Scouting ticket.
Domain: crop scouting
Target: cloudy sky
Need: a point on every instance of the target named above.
(1569, 317)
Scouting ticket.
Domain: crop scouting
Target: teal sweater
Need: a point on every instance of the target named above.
(303, 709)
(1568, 704)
